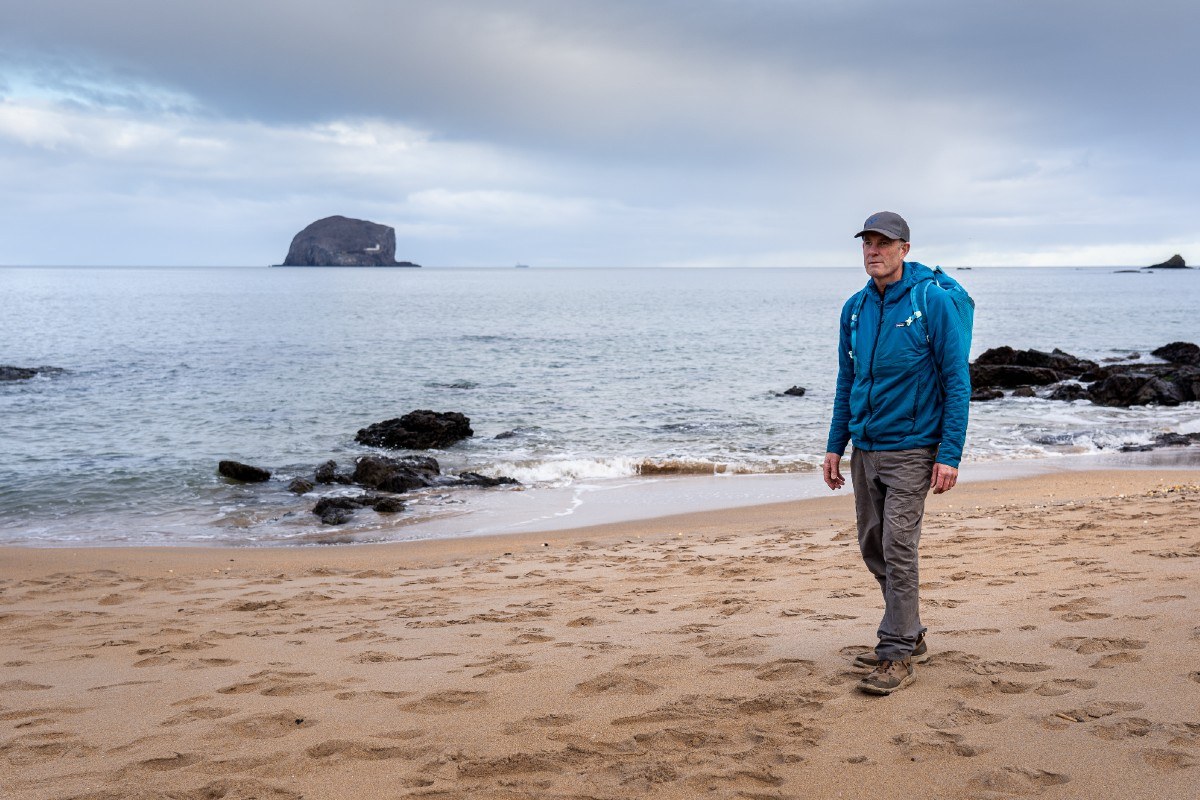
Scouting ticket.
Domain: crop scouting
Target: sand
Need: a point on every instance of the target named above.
(694, 656)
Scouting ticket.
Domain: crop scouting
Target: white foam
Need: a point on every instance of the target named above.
(565, 471)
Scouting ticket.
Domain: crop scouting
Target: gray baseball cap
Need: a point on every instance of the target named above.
(889, 223)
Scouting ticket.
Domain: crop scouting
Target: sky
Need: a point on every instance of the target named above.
(753, 133)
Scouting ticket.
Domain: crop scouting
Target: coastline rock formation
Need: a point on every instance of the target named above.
(1071, 378)
(343, 242)
(1174, 262)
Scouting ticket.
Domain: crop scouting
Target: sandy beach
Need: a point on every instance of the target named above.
(705, 655)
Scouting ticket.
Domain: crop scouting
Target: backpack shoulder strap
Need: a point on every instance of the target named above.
(854, 315)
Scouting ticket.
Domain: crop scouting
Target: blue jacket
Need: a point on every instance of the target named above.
(907, 392)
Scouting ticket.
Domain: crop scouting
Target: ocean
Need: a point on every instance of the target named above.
(619, 391)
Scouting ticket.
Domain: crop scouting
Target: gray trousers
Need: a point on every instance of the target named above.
(889, 496)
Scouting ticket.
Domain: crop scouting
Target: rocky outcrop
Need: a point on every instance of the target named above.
(1179, 353)
(1174, 262)
(10, 373)
(1071, 378)
(417, 430)
(344, 242)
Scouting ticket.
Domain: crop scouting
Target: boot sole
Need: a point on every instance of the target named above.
(887, 690)
(921, 659)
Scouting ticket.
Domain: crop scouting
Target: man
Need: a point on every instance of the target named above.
(903, 389)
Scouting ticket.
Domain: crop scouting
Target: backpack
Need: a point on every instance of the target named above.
(963, 304)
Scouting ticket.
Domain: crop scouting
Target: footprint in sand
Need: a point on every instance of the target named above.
(196, 715)
(615, 682)
(1060, 720)
(450, 700)
(164, 764)
(786, 669)
(963, 716)
(1089, 645)
(1115, 659)
(270, 726)
(1016, 780)
(344, 750)
(916, 746)
(1124, 729)
(1168, 760)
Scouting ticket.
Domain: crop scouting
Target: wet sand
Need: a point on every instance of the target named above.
(703, 655)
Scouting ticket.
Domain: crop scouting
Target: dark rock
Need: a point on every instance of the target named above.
(1163, 440)
(389, 505)
(10, 373)
(417, 430)
(1174, 262)
(795, 391)
(1097, 374)
(1179, 353)
(983, 395)
(300, 486)
(344, 242)
(243, 472)
(475, 479)
(1011, 376)
(346, 503)
(1024, 391)
(1068, 365)
(335, 516)
(505, 435)
(396, 474)
(1135, 389)
(1069, 392)
(327, 472)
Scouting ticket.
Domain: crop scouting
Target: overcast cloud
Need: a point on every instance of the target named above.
(609, 132)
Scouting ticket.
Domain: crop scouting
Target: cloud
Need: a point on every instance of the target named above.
(674, 132)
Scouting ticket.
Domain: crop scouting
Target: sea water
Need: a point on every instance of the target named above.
(594, 388)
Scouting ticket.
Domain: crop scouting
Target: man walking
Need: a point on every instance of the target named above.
(903, 390)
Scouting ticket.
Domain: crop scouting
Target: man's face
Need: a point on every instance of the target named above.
(883, 257)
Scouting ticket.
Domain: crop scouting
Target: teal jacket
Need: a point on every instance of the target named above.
(906, 392)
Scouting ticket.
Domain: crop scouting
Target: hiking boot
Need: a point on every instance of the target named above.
(869, 660)
(888, 677)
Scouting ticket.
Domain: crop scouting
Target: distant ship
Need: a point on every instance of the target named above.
(522, 266)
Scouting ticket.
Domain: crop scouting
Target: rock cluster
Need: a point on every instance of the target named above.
(1174, 262)
(1070, 378)
(343, 242)
(383, 477)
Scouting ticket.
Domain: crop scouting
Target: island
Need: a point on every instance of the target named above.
(344, 242)
(1174, 262)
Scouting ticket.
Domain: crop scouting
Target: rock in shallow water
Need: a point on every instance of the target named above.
(418, 430)
(243, 472)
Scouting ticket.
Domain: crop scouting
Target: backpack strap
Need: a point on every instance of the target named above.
(854, 315)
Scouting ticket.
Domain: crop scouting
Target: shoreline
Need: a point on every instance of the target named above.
(630, 500)
(835, 508)
(700, 654)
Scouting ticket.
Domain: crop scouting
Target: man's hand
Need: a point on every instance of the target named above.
(944, 478)
(832, 470)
